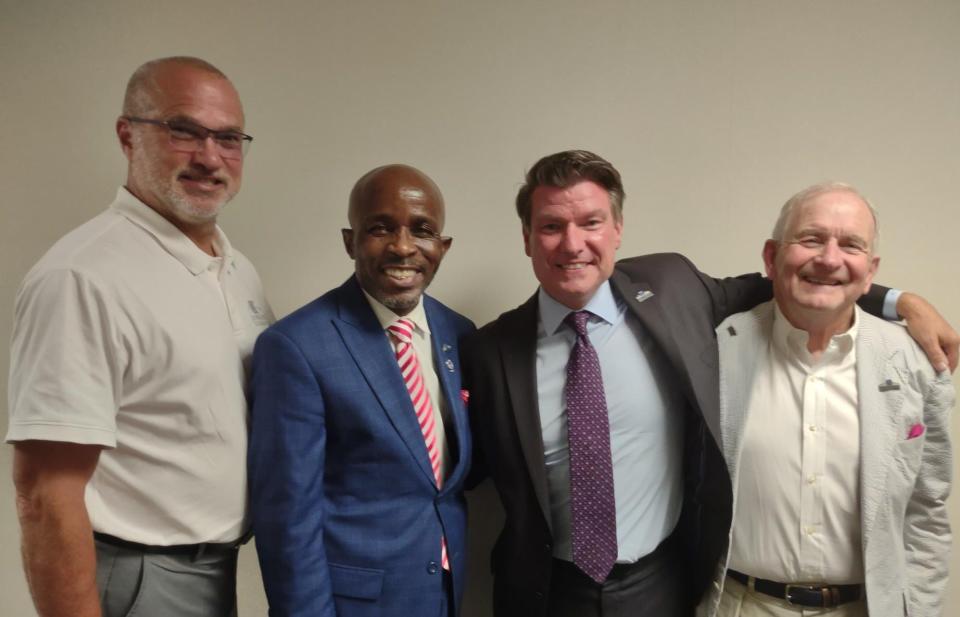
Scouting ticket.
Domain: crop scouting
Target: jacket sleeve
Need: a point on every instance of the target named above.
(926, 532)
(286, 467)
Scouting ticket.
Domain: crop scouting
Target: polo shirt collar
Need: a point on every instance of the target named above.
(169, 237)
(552, 313)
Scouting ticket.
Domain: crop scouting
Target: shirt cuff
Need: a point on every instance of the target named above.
(890, 304)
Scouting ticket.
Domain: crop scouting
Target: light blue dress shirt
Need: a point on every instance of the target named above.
(645, 409)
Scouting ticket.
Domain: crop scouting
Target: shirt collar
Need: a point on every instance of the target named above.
(387, 317)
(794, 340)
(552, 313)
(169, 237)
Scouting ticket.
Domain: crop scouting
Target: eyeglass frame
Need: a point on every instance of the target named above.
(197, 140)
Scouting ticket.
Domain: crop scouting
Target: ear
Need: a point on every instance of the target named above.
(526, 239)
(125, 137)
(868, 280)
(445, 243)
(348, 241)
(769, 258)
(618, 230)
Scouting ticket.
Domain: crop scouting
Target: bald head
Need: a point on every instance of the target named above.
(394, 182)
(147, 82)
(396, 218)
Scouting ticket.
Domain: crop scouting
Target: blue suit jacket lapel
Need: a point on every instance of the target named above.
(446, 357)
(367, 343)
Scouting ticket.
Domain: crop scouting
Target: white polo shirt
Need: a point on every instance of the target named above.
(127, 335)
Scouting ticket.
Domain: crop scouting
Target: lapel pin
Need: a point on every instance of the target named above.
(888, 385)
(449, 365)
(445, 347)
(644, 295)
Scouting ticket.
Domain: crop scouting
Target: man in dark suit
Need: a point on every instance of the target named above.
(359, 441)
(638, 401)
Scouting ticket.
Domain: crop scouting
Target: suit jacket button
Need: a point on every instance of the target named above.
(539, 595)
(548, 547)
(432, 567)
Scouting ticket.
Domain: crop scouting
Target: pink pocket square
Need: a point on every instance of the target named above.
(465, 396)
(916, 430)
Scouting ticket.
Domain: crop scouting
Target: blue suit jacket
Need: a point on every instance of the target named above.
(344, 507)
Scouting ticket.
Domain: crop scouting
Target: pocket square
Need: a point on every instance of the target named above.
(465, 396)
(916, 430)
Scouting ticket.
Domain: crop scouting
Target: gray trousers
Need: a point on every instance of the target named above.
(137, 584)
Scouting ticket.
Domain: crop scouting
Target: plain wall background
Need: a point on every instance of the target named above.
(714, 111)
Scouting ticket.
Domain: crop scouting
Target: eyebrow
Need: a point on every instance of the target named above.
(820, 231)
(189, 120)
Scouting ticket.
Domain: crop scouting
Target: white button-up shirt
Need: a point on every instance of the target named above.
(797, 513)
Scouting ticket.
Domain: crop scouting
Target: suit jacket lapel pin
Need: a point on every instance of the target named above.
(888, 385)
(646, 294)
(465, 396)
(445, 347)
(449, 365)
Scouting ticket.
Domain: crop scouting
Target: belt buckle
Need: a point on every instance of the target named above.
(828, 598)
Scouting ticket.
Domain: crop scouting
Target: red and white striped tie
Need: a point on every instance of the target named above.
(402, 331)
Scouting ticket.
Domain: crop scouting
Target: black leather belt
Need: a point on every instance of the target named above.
(813, 596)
(193, 550)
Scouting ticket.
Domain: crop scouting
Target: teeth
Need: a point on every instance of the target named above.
(819, 282)
(399, 274)
(573, 266)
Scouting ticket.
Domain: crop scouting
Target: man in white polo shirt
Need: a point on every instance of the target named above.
(128, 364)
(835, 430)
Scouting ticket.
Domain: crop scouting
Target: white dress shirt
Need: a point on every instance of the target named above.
(797, 515)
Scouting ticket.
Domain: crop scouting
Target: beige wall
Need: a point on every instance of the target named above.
(715, 112)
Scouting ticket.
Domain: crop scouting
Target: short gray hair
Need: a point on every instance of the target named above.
(816, 190)
(138, 98)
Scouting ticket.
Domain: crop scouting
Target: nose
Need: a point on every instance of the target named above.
(208, 153)
(572, 240)
(402, 242)
(830, 255)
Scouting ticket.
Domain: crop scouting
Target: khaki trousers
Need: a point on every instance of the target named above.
(738, 601)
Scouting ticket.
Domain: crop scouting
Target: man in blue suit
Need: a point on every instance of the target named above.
(356, 466)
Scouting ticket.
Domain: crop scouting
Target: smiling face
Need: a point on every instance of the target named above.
(572, 240)
(396, 217)
(187, 188)
(825, 261)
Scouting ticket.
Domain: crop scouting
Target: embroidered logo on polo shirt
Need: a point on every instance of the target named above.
(257, 314)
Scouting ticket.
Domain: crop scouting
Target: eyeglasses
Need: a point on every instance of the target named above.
(186, 136)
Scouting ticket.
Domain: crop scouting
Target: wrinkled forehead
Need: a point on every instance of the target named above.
(836, 213)
(196, 94)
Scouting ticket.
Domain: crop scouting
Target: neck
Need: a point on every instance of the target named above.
(820, 326)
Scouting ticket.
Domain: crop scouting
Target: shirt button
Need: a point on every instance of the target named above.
(810, 530)
(813, 428)
(811, 479)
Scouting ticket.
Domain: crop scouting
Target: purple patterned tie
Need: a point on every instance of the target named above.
(593, 511)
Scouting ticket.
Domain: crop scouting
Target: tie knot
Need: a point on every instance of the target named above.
(578, 321)
(402, 330)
